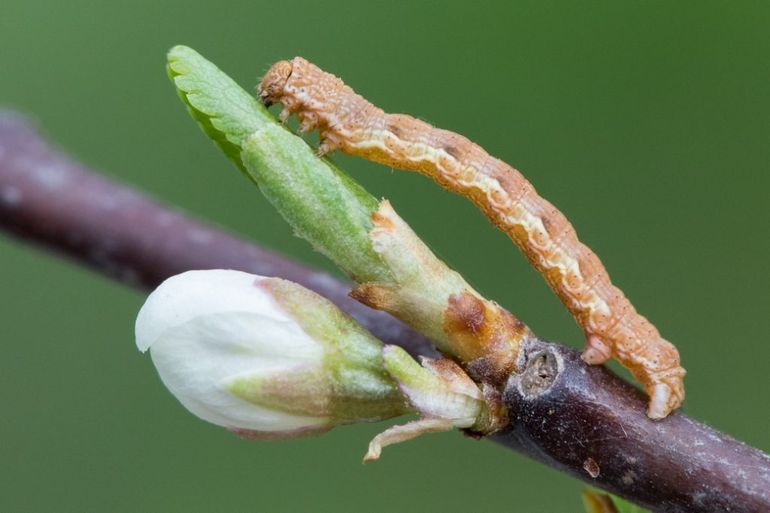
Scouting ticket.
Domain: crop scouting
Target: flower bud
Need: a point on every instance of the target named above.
(264, 357)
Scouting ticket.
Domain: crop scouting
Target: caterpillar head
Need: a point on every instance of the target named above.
(270, 90)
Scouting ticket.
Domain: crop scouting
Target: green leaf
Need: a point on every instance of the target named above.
(596, 501)
(624, 506)
(321, 203)
(225, 112)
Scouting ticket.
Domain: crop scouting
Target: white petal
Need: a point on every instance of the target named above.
(193, 293)
(199, 359)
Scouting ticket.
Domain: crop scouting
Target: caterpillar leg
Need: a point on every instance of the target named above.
(664, 386)
(666, 392)
(308, 122)
(283, 117)
(596, 351)
(659, 401)
(328, 144)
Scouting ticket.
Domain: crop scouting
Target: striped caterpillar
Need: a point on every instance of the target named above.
(612, 326)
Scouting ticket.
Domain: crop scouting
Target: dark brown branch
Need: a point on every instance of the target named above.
(584, 421)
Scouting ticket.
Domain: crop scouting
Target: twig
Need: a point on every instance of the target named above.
(589, 423)
(583, 421)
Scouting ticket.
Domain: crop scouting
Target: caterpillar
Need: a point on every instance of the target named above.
(612, 326)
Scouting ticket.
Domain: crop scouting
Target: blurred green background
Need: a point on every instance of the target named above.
(646, 122)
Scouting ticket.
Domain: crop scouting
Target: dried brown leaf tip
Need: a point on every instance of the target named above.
(613, 327)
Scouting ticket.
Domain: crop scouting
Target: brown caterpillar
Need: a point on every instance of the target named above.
(349, 123)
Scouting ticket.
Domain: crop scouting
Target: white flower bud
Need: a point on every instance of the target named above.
(262, 356)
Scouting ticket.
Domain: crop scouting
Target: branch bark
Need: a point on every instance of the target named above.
(581, 420)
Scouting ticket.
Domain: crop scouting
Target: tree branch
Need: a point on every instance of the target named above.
(581, 420)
